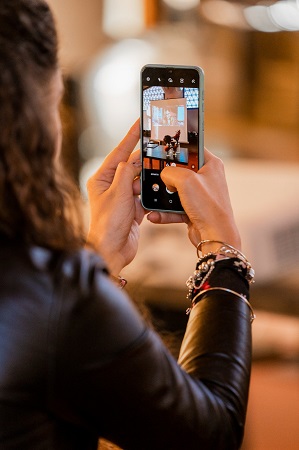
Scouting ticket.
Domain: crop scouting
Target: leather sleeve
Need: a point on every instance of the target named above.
(112, 375)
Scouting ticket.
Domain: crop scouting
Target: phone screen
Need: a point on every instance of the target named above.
(171, 129)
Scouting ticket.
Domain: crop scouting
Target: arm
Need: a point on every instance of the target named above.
(114, 375)
(148, 400)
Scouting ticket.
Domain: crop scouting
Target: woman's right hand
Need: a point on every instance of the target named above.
(205, 198)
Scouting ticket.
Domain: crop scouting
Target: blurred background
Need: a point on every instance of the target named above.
(249, 52)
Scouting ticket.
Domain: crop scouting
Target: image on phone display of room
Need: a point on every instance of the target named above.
(170, 128)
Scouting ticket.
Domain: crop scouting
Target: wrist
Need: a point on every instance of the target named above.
(213, 239)
(113, 259)
(227, 269)
(213, 245)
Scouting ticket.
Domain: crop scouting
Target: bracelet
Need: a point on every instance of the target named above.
(242, 297)
(204, 268)
(199, 283)
(207, 263)
(119, 281)
(227, 250)
(208, 241)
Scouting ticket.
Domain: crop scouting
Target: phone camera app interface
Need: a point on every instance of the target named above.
(170, 124)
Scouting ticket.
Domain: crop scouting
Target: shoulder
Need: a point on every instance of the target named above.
(84, 297)
(78, 265)
(94, 320)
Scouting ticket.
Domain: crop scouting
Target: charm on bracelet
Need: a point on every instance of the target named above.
(228, 251)
(204, 268)
(199, 281)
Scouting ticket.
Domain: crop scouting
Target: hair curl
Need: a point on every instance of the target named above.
(38, 201)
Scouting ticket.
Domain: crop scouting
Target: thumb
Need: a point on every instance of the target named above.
(173, 177)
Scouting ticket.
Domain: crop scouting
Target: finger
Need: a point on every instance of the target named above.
(136, 186)
(208, 155)
(135, 157)
(165, 218)
(174, 176)
(124, 177)
(210, 159)
(104, 175)
(140, 211)
(124, 149)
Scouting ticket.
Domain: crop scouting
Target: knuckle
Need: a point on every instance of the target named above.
(89, 183)
(218, 163)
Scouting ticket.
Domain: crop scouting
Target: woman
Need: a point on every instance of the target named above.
(77, 362)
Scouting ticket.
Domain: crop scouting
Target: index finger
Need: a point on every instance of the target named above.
(123, 150)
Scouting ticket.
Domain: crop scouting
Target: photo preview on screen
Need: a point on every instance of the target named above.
(168, 117)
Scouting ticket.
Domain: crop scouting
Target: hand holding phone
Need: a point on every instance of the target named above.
(206, 201)
(115, 208)
(171, 129)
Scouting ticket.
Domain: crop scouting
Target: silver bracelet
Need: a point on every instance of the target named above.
(229, 251)
(230, 291)
(208, 241)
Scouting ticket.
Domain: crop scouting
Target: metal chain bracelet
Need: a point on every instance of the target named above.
(227, 250)
(198, 282)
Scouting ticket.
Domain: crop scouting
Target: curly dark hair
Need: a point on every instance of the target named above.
(38, 201)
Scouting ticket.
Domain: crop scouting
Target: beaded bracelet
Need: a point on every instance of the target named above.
(206, 265)
(227, 250)
(198, 283)
(204, 268)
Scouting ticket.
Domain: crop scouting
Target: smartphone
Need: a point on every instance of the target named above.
(172, 129)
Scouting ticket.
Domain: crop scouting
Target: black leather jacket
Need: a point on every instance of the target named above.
(78, 362)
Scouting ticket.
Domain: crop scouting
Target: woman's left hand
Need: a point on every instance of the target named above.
(115, 208)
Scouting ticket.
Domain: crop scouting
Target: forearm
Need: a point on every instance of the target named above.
(216, 348)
